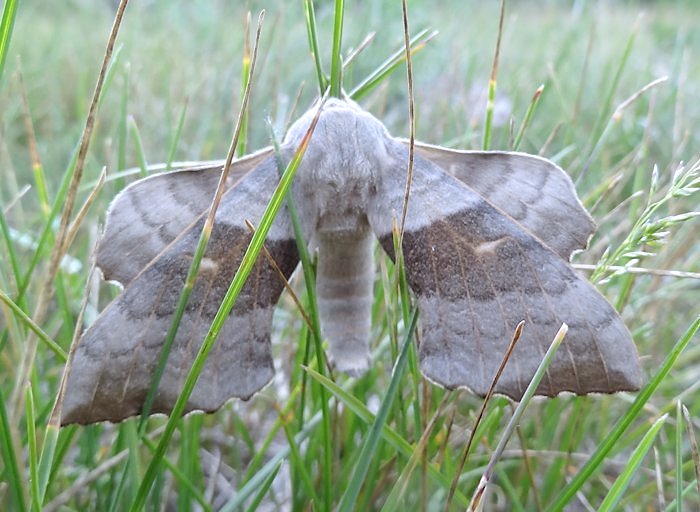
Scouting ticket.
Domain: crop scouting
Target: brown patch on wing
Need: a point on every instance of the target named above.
(477, 273)
(116, 357)
(532, 191)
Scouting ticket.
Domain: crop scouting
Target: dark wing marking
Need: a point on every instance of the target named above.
(116, 357)
(150, 213)
(533, 191)
(477, 273)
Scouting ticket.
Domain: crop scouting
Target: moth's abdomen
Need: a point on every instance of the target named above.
(344, 285)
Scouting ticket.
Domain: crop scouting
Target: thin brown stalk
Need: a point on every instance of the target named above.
(453, 487)
(619, 111)
(55, 418)
(354, 53)
(411, 119)
(58, 249)
(555, 131)
(77, 222)
(693, 446)
(221, 187)
(284, 280)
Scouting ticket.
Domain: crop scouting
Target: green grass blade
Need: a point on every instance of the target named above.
(367, 452)
(392, 502)
(64, 188)
(31, 444)
(528, 117)
(599, 127)
(11, 253)
(201, 248)
(41, 335)
(336, 57)
(176, 136)
(618, 488)
(610, 441)
(296, 461)
(245, 79)
(12, 474)
(47, 231)
(491, 100)
(417, 43)
(259, 478)
(138, 146)
(50, 457)
(239, 280)
(264, 487)
(694, 452)
(310, 17)
(6, 24)
(310, 283)
(679, 456)
(517, 414)
(390, 435)
(181, 477)
(122, 130)
(672, 507)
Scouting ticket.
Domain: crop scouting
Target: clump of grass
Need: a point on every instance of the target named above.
(314, 440)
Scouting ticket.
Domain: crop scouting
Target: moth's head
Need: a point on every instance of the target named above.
(344, 128)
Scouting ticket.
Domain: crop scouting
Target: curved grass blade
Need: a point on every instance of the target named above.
(313, 44)
(417, 43)
(32, 455)
(264, 488)
(12, 474)
(528, 116)
(491, 101)
(604, 448)
(6, 25)
(336, 57)
(201, 246)
(347, 502)
(262, 475)
(234, 289)
(617, 490)
(389, 434)
(310, 283)
(41, 335)
(679, 455)
(476, 503)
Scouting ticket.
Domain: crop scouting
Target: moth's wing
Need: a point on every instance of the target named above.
(150, 213)
(533, 191)
(477, 273)
(116, 357)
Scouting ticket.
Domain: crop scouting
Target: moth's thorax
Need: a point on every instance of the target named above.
(342, 164)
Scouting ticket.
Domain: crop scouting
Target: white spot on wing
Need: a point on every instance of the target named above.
(208, 265)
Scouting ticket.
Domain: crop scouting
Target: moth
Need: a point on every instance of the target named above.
(488, 236)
